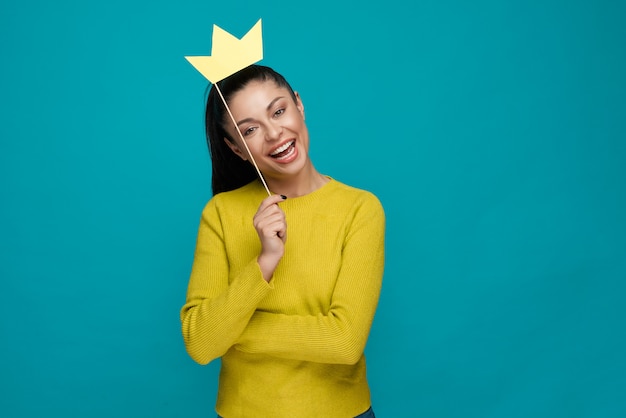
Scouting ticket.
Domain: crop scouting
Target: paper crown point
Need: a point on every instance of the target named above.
(229, 54)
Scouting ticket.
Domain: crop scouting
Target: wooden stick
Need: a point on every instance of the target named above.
(243, 141)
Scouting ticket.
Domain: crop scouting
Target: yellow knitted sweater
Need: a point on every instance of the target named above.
(292, 347)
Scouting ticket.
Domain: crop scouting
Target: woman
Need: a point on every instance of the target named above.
(287, 308)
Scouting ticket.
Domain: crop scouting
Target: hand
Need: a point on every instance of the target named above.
(271, 226)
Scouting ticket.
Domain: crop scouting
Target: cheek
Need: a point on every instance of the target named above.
(297, 123)
(302, 127)
(255, 145)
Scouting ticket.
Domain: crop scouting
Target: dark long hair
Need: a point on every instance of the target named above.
(229, 171)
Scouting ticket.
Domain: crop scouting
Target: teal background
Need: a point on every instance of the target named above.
(493, 133)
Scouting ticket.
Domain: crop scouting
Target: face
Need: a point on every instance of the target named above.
(272, 126)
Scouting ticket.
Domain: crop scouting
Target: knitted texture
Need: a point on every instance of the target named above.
(292, 347)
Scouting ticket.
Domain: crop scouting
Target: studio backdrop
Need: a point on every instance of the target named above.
(494, 134)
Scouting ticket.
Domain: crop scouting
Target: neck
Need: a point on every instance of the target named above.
(303, 183)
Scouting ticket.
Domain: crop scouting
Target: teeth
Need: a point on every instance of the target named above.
(281, 149)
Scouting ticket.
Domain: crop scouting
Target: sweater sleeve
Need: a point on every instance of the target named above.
(217, 309)
(340, 335)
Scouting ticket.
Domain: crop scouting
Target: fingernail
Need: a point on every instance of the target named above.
(283, 196)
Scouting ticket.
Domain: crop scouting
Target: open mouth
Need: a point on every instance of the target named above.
(284, 151)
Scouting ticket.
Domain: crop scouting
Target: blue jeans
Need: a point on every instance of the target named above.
(367, 414)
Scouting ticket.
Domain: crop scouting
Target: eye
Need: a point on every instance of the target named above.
(279, 112)
(249, 131)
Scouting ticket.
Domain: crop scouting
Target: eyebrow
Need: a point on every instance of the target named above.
(267, 108)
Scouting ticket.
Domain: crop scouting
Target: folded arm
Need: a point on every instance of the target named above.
(339, 335)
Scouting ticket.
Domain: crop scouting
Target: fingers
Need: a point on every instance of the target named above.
(269, 201)
(269, 220)
(269, 210)
(271, 226)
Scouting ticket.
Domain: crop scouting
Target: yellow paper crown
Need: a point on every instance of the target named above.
(229, 54)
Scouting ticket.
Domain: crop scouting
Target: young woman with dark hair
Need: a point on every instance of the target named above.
(229, 171)
(289, 318)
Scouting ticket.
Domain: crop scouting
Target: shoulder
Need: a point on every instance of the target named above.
(354, 193)
(360, 200)
(241, 199)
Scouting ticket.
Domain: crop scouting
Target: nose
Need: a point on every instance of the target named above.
(273, 132)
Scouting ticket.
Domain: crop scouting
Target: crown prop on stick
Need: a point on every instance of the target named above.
(229, 55)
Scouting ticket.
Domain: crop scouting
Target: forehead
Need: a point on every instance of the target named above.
(257, 93)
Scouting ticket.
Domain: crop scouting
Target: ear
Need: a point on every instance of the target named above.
(299, 104)
(234, 148)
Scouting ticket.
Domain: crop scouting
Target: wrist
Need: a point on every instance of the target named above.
(267, 264)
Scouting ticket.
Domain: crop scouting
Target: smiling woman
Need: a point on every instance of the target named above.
(289, 318)
(275, 135)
